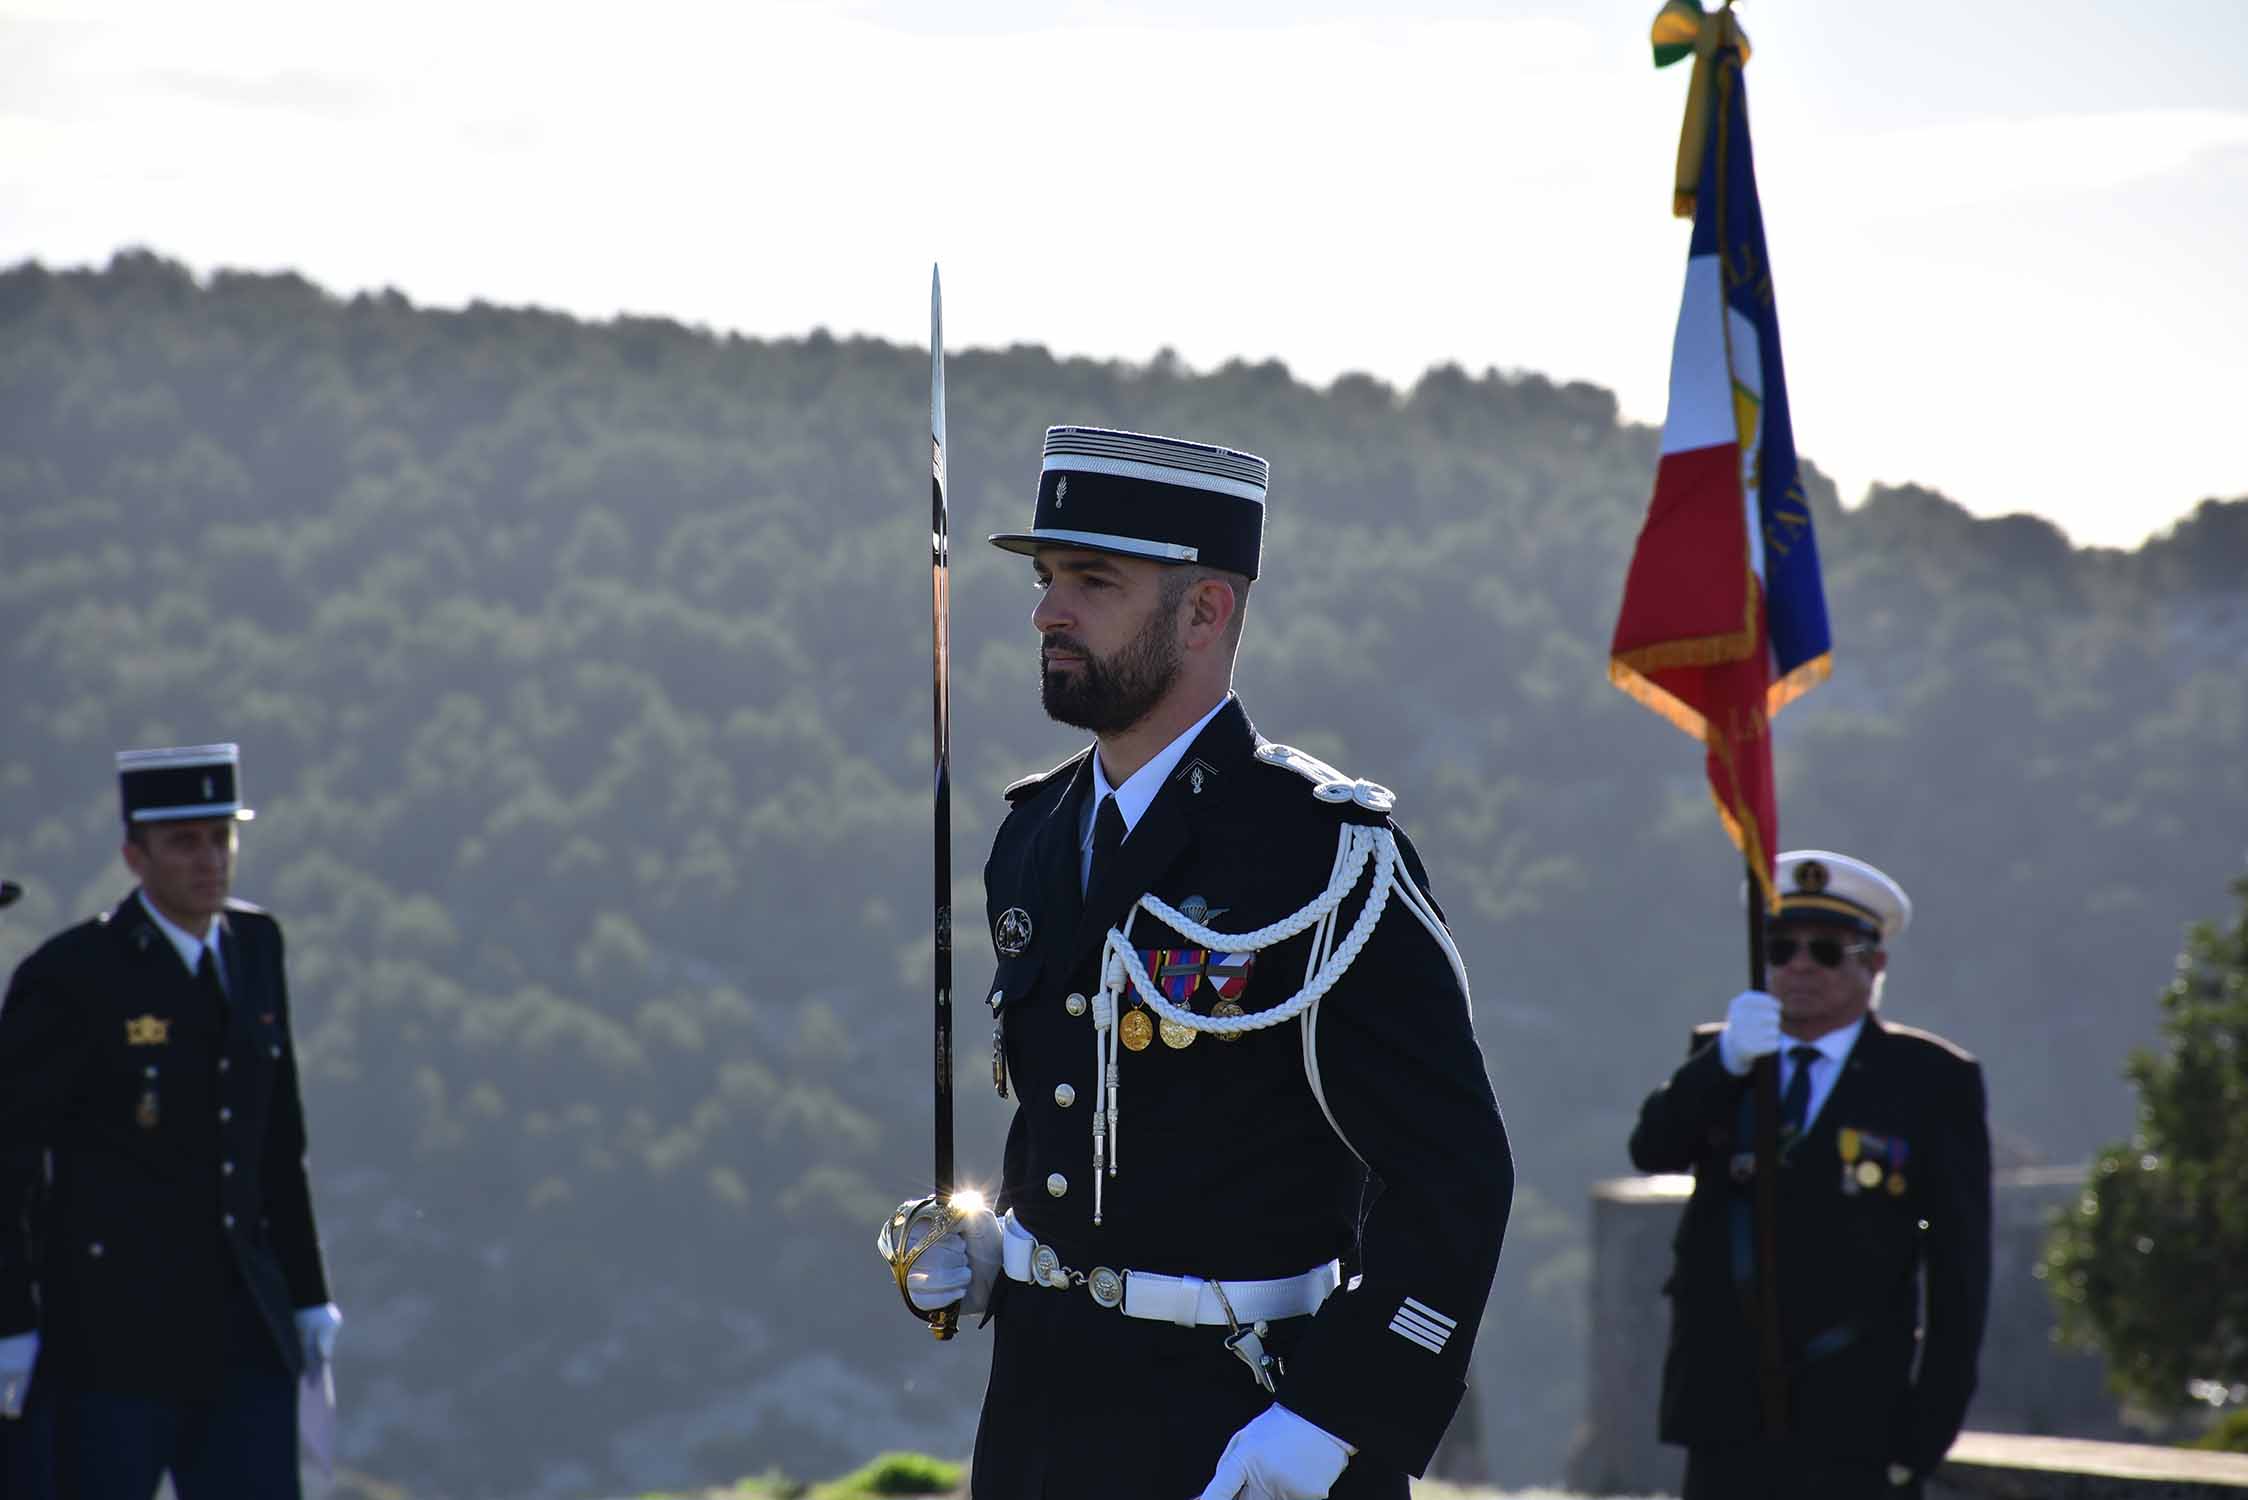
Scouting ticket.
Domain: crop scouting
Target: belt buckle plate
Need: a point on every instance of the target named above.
(1046, 1267)
(1107, 1286)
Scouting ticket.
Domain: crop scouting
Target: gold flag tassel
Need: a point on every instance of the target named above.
(1683, 29)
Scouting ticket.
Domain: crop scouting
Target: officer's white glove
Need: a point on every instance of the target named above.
(962, 1267)
(18, 1353)
(1752, 1030)
(1278, 1456)
(316, 1335)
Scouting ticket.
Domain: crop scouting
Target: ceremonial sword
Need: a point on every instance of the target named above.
(940, 640)
(914, 1227)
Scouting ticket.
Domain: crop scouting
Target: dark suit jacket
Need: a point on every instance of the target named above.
(1856, 1242)
(20, 1172)
(177, 1137)
(1229, 1168)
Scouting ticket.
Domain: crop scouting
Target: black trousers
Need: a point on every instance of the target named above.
(1785, 1471)
(1087, 1404)
(27, 1470)
(238, 1442)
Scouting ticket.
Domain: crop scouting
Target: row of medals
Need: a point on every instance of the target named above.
(1139, 1028)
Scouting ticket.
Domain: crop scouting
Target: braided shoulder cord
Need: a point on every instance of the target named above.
(1122, 966)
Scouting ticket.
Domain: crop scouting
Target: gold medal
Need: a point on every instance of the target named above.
(1177, 1037)
(1869, 1174)
(1896, 1184)
(1135, 1030)
(1846, 1141)
(1228, 1008)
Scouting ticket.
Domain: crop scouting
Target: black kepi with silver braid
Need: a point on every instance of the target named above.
(1143, 496)
(181, 782)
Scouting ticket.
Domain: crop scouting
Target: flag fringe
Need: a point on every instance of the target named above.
(1798, 682)
(1740, 823)
(1697, 651)
(1648, 695)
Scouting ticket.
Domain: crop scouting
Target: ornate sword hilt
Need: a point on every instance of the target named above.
(909, 1231)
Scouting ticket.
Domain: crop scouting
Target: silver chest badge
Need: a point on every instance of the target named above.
(1012, 935)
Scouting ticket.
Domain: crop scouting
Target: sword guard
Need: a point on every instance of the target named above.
(908, 1233)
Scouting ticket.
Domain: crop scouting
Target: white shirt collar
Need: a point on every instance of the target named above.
(188, 945)
(1836, 1044)
(1138, 791)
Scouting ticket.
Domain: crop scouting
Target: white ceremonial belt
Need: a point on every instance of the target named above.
(1188, 1301)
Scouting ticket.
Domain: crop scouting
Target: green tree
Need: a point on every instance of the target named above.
(2147, 1267)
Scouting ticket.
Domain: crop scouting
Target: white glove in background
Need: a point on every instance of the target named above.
(1752, 1030)
(961, 1267)
(1278, 1456)
(18, 1353)
(316, 1334)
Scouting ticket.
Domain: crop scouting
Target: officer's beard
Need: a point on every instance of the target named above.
(1111, 694)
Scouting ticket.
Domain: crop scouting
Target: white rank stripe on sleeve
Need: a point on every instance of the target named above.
(1421, 1324)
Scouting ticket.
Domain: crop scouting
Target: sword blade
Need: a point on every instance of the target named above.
(940, 616)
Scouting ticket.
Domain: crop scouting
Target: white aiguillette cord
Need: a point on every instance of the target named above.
(1121, 968)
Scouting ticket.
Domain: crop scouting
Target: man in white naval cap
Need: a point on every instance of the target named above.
(148, 1051)
(1256, 1182)
(1884, 1204)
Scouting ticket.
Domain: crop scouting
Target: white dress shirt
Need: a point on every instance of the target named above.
(187, 944)
(1826, 1068)
(1138, 791)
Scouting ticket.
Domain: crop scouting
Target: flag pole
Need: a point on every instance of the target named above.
(1771, 1365)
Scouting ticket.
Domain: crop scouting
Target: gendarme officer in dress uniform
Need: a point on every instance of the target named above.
(148, 1051)
(1256, 1182)
(1884, 1201)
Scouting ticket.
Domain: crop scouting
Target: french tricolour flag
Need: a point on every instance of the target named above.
(1723, 620)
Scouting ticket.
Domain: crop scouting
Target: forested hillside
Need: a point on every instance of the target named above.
(581, 674)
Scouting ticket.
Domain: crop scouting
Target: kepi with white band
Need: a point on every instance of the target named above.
(1139, 495)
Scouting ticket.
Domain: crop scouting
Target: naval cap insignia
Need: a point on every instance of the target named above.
(1810, 877)
(1012, 934)
(209, 791)
(1061, 491)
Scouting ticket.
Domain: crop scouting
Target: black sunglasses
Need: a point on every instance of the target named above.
(1827, 953)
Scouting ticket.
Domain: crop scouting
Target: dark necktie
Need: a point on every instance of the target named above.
(1796, 1103)
(1108, 833)
(207, 975)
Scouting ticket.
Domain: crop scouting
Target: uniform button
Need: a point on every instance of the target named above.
(1064, 1095)
(276, 1050)
(1075, 1005)
(1057, 1184)
(149, 1071)
(226, 1113)
(224, 1064)
(94, 1249)
(227, 1219)
(226, 1169)
(998, 997)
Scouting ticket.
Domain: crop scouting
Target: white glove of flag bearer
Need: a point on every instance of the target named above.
(1279, 1456)
(961, 1267)
(1752, 1030)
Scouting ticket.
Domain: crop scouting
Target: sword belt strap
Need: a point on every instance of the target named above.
(1189, 1301)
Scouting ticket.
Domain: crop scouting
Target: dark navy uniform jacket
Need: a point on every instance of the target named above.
(1887, 1192)
(1229, 1167)
(173, 1122)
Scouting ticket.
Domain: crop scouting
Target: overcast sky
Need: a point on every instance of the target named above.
(2010, 238)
